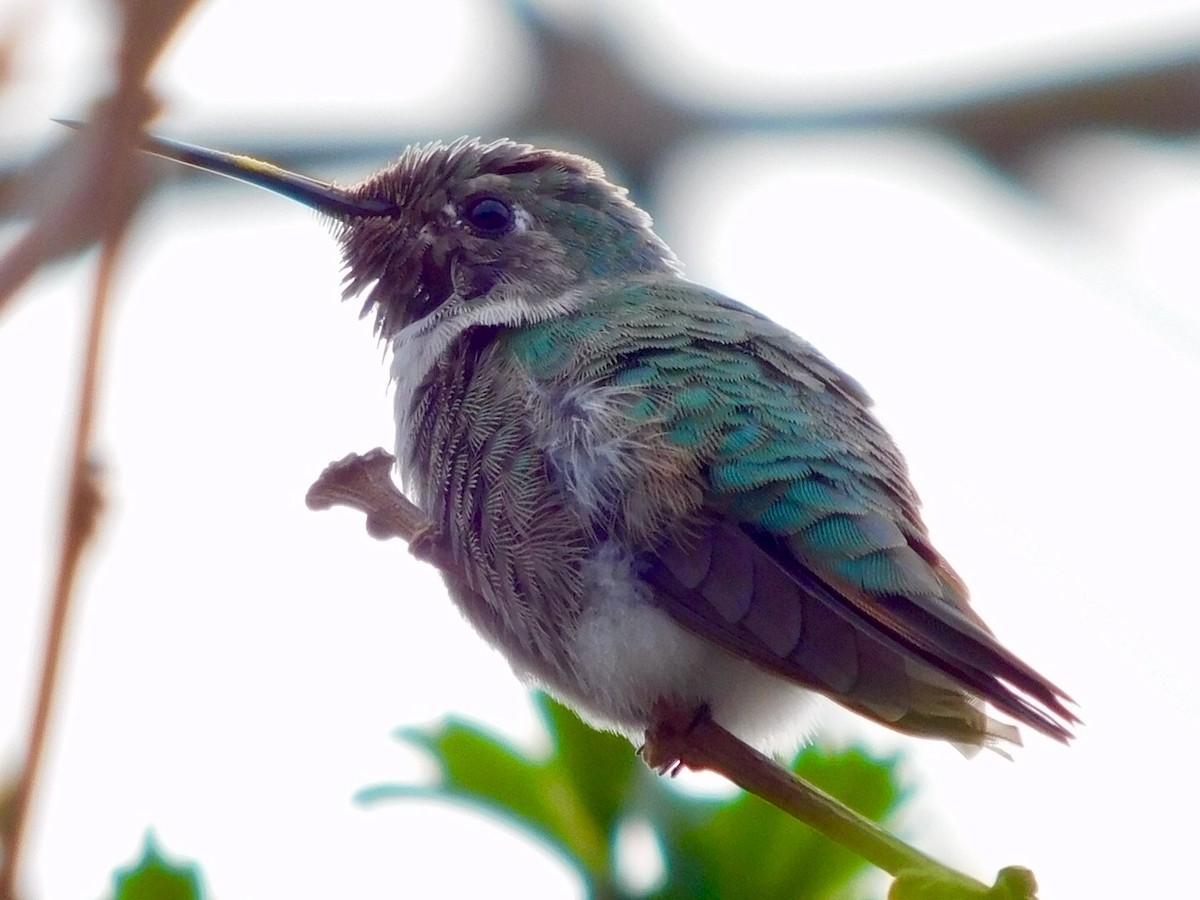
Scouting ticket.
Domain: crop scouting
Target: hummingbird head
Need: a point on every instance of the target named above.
(498, 225)
(505, 228)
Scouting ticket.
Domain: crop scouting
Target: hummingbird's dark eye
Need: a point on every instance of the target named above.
(489, 216)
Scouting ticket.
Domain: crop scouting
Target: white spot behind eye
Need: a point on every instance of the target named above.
(522, 220)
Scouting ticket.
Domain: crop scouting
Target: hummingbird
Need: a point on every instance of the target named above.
(658, 501)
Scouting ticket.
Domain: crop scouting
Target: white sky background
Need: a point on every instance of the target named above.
(238, 663)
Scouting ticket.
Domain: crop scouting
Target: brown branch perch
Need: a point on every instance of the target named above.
(365, 483)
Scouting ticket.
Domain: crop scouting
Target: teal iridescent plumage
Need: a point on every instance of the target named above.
(783, 445)
(655, 497)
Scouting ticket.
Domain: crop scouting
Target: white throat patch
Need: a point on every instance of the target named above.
(417, 347)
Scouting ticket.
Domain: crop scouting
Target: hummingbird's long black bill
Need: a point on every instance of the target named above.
(318, 195)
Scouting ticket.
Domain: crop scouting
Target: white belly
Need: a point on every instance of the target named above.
(629, 655)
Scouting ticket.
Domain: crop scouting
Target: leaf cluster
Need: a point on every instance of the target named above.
(578, 799)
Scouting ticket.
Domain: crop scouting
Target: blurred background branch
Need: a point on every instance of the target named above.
(587, 91)
(97, 192)
(85, 188)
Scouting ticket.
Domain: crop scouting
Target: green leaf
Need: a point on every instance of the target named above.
(155, 877)
(600, 766)
(541, 797)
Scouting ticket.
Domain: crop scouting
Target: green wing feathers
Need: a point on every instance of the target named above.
(808, 554)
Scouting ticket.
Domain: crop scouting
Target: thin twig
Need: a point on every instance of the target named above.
(83, 507)
(364, 483)
(94, 194)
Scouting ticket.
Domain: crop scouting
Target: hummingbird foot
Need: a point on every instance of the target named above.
(666, 743)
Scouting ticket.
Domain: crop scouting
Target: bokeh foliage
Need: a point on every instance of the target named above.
(577, 799)
(156, 877)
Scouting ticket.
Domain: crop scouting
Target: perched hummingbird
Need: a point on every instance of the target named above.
(657, 500)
